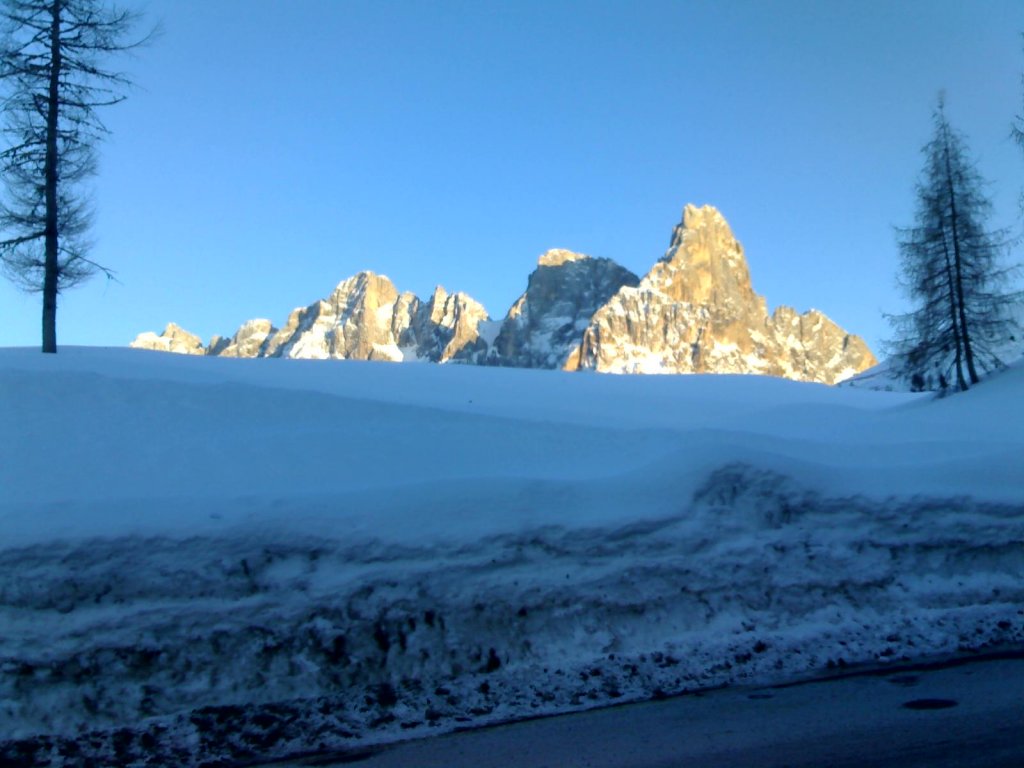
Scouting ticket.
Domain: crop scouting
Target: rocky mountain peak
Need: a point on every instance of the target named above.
(446, 328)
(437, 304)
(562, 294)
(704, 263)
(249, 341)
(696, 312)
(364, 287)
(701, 217)
(174, 338)
(556, 257)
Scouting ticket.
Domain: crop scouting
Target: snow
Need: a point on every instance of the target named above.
(409, 354)
(390, 352)
(362, 552)
(384, 314)
(489, 330)
(879, 377)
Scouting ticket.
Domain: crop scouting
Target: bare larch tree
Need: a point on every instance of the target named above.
(53, 82)
(951, 270)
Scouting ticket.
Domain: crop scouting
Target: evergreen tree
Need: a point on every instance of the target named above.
(51, 71)
(1017, 128)
(1017, 134)
(951, 271)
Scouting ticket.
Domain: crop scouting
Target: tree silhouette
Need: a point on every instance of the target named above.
(951, 271)
(51, 70)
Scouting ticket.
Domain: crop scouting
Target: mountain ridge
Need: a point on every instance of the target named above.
(695, 311)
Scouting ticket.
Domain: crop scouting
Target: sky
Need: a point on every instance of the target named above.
(272, 148)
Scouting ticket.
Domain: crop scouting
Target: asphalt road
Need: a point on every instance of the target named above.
(967, 715)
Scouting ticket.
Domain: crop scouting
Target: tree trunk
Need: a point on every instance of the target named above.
(958, 267)
(51, 267)
(957, 342)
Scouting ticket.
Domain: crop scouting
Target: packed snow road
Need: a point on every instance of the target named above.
(224, 559)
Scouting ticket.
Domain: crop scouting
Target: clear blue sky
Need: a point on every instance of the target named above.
(274, 147)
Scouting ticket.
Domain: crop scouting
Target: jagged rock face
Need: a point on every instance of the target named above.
(819, 350)
(696, 312)
(365, 318)
(361, 320)
(545, 324)
(249, 341)
(173, 339)
(447, 328)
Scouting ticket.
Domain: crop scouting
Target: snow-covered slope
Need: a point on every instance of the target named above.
(206, 557)
(885, 377)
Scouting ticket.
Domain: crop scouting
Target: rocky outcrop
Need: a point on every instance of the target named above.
(174, 338)
(249, 341)
(562, 294)
(696, 312)
(447, 327)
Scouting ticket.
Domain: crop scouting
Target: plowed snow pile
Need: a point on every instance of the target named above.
(207, 559)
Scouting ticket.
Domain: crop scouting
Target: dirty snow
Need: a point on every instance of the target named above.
(208, 558)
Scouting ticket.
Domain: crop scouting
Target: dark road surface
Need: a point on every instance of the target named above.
(968, 715)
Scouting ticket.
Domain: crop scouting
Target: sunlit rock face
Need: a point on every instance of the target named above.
(249, 341)
(696, 312)
(173, 339)
(562, 294)
(447, 327)
(364, 318)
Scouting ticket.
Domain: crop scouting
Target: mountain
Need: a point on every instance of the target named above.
(173, 339)
(562, 295)
(695, 311)
(364, 318)
(249, 341)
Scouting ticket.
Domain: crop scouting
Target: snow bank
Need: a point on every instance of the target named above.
(208, 558)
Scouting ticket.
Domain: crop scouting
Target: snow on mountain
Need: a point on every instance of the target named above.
(543, 327)
(447, 328)
(364, 318)
(207, 558)
(251, 340)
(694, 312)
(176, 339)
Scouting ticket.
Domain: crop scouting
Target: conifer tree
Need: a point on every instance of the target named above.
(1017, 134)
(952, 272)
(52, 75)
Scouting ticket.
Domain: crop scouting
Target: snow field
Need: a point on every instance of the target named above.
(229, 560)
